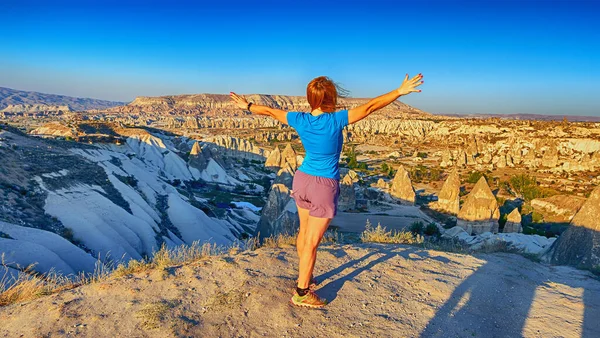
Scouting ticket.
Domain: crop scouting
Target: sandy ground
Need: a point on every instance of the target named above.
(375, 291)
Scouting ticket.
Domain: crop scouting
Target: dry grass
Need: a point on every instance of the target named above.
(380, 234)
(286, 240)
(153, 314)
(29, 284)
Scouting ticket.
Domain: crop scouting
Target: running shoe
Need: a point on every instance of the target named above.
(308, 300)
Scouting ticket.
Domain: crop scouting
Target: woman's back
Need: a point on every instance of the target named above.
(322, 139)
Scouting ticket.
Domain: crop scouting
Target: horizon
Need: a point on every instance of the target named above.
(500, 57)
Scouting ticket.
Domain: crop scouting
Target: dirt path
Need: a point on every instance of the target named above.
(375, 291)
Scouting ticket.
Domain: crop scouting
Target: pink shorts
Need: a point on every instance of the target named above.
(317, 194)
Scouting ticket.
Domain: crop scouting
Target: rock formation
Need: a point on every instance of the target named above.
(382, 184)
(448, 198)
(279, 215)
(480, 211)
(513, 222)
(274, 160)
(579, 245)
(197, 159)
(289, 156)
(446, 160)
(402, 188)
(347, 199)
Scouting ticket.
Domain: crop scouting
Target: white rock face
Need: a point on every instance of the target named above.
(45, 249)
(533, 244)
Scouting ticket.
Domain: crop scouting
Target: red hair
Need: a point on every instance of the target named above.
(323, 93)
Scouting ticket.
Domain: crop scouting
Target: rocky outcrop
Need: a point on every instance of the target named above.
(289, 156)
(579, 245)
(446, 160)
(480, 212)
(513, 222)
(238, 148)
(449, 198)
(561, 208)
(274, 160)
(382, 184)
(197, 158)
(347, 199)
(402, 188)
(279, 215)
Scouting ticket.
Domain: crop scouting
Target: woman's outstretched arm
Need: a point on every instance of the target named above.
(278, 114)
(407, 87)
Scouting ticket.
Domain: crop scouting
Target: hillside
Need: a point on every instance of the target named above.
(374, 291)
(217, 104)
(17, 101)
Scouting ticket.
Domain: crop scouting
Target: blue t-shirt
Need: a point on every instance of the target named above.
(322, 139)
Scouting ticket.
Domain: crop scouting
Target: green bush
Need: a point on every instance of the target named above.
(432, 230)
(475, 176)
(536, 217)
(417, 228)
(527, 187)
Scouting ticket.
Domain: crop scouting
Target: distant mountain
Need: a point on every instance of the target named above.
(534, 117)
(16, 101)
(221, 105)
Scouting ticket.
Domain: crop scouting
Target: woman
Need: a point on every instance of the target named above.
(316, 182)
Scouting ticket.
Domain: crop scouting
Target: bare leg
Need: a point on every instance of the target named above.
(303, 214)
(314, 233)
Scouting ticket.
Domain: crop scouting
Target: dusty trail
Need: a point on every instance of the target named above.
(375, 291)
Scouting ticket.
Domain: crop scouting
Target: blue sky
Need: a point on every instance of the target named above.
(477, 56)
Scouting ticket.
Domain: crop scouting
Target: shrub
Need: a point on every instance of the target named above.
(527, 187)
(475, 176)
(417, 228)
(432, 230)
(380, 234)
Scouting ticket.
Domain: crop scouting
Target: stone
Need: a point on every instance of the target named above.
(513, 222)
(273, 162)
(402, 188)
(382, 184)
(446, 160)
(480, 212)
(197, 158)
(278, 213)
(288, 155)
(579, 245)
(347, 199)
(448, 198)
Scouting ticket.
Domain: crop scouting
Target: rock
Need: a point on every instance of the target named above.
(402, 188)
(353, 175)
(448, 198)
(461, 159)
(480, 212)
(197, 159)
(347, 199)
(278, 213)
(273, 162)
(513, 222)
(561, 208)
(446, 160)
(579, 245)
(289, 156)
(382, 184)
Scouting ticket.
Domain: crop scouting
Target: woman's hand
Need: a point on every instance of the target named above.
(409, 86)
(239, 101)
